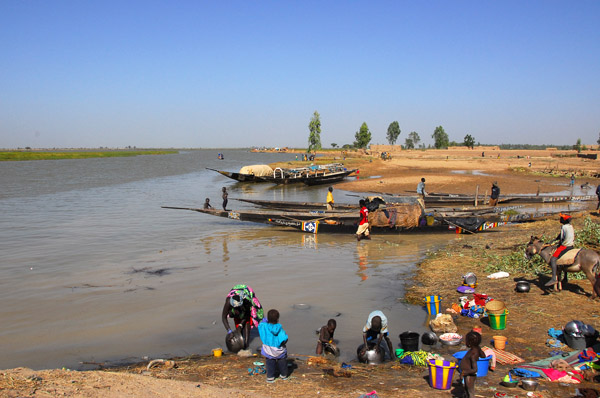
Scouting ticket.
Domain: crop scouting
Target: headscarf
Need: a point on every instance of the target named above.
(245, 293)
(564, 217)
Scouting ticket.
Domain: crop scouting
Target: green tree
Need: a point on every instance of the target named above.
(393, 132)
(362, 136)
(333, 145)
(414, 137)
(469, 141)
(598, 141)
(409, 143)
(314, 136)
(440, 137)
(577, 146)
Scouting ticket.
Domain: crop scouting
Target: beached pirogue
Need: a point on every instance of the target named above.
(407, 216)
(310, 175)
(438, 199)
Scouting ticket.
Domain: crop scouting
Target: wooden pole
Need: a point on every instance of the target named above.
(476, 194)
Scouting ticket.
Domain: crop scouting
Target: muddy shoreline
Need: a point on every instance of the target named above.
(531, 314)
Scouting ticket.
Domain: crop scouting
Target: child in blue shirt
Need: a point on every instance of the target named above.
(274, 339)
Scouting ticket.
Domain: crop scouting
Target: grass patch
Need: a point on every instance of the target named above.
(514, 262)
(587, 237)
(55, 155)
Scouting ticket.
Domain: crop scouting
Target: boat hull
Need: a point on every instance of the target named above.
(317, 177)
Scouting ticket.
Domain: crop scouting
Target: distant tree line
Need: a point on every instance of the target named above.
(362, 139)
(535, 146)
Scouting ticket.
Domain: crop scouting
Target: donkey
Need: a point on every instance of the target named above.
(584, 260)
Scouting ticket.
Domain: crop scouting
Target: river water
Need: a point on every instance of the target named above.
(93, 270)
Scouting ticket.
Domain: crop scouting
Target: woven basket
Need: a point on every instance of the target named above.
(496, 307)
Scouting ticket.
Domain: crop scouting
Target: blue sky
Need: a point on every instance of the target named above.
(251, 73)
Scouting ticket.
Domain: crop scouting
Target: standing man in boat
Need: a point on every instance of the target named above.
(225, 195)
(363, 224)
(598, 195)
(495, 194)
(421, 189)
(330, 199)
(566, 238)
(242, 305)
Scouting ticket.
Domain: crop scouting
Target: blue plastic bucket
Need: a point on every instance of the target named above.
(483, 364)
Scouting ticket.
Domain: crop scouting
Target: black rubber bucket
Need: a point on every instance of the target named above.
(409, 341)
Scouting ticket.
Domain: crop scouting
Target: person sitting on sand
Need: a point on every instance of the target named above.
(274, 340)
(326, 337)
(468, 365)
(375, 330)
(330, 199)
(207, 204)
(242, 305)
(363, 223)
(566, 238)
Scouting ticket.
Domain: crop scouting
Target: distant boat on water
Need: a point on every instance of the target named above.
(311, 175)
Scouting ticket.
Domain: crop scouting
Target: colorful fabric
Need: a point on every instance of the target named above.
(247, 295)
(364, 216)
(562, 376)
(572, 358)
(526, 372)
(417, 358)
(504, 357)
(560, 250)
(555, 333)
(490, 353)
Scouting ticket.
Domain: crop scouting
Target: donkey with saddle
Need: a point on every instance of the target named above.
(564, 258)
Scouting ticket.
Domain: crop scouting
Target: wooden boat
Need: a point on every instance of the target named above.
(313, 175)
(304, 206)
(295, 206)
(238, 176)
(460, 199)
(391, 218)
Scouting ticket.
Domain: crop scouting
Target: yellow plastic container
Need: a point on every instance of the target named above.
(217, 352)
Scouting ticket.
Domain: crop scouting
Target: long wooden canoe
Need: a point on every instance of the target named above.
(316, 175)
(391, 219)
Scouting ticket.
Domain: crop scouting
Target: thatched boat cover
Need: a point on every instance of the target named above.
(404, 215)
(259, 170)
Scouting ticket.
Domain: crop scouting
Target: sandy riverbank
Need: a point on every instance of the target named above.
(531, 314)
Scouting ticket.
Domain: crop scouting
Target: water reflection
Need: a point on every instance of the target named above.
(362, 251)
(310, 241)
(159, 271)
